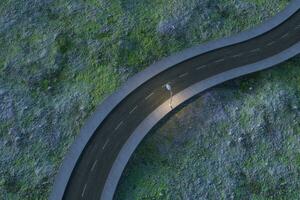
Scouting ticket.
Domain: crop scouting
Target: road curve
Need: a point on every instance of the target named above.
(93, 167)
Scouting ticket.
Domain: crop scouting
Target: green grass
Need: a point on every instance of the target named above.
(59, 66)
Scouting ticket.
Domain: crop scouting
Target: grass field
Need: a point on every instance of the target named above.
(61, 58)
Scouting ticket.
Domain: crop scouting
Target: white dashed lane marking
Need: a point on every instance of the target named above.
(133, 110)
(94, 165)
(255, 50)
(237, 55)
(183, 75)
(201, 67)
(119, 125)
(271, 43)
(83, 191)
(297, 27)
(105, 144)
(220, 60)
(147, 97)
(285, 35)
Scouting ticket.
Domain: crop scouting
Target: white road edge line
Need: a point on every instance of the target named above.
(201, 67)
(147, 97)
(133, 110)
(94, 165)
(83, 191)
(183, 75)
(105, 144)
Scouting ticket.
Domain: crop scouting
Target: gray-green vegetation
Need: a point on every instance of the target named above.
(240, 140)
(61, 58)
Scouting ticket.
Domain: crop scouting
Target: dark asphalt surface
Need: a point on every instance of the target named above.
(91, 171)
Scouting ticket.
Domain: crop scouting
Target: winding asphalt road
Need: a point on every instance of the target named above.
(93, 167)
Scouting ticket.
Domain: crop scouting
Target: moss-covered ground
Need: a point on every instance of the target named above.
(61, 58)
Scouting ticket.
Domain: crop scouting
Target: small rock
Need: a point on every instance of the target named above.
(11, 131)
(37, 171)
(240, 139)
(69, 7)
(17, 139)
(43, 53)
(209, 182)
(229, 143)
(2, 92)
(165, 28)
(271, 171)
(6, 110)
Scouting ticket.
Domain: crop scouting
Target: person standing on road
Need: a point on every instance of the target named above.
(169, 88)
